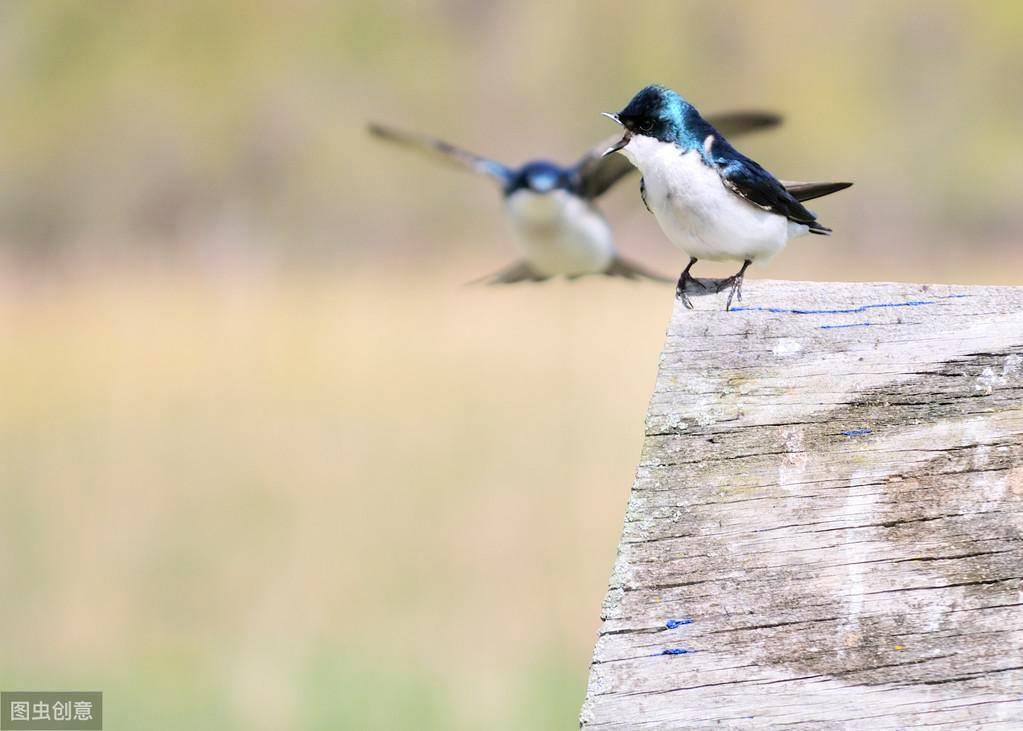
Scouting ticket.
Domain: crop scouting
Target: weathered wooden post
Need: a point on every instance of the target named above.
(826, 527)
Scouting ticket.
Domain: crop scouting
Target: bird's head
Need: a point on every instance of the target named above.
(539, 177)
(655, 112)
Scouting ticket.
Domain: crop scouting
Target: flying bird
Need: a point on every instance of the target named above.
(710, 200)
(552, 208)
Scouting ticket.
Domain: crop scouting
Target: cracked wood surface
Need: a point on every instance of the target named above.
(825, 525)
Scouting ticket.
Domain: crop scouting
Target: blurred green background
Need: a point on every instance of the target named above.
(265, 462)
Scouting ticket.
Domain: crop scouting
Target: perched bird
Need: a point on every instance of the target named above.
(560, 229)
(710, 200)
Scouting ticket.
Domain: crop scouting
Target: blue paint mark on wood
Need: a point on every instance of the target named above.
(676, 651)
(857, 432)
(673, 623)
(851, 324)
(849, 310)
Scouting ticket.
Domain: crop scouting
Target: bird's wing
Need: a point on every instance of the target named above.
(444, 152)
(731, 124)
(747, 179)
(620, 267)
(518, 271)
(803, 192)
(596, 174)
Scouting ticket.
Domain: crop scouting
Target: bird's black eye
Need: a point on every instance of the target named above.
(647, 125)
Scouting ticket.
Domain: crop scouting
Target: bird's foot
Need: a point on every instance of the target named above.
(680, 294)
(683, 281)
(736, 292)
(735, 283)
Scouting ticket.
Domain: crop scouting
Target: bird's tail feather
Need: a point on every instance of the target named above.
(816, 228)
(804, 192)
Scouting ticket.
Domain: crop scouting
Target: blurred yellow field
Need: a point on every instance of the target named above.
(228, 490)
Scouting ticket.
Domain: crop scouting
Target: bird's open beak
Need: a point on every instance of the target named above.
(620, 143)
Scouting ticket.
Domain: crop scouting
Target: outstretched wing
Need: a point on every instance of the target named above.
(521, 271)
(518, 271)
(731, 124)
(596, 174)
(443, 152)
(620, 267)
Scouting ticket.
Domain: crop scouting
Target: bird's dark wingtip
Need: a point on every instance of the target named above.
(767, 119)
(627, 269)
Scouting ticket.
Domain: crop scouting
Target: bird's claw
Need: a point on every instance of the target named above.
(737, 293)
(680, 294)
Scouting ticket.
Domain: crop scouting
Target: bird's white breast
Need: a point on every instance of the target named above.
(560, 233)
(698, 213)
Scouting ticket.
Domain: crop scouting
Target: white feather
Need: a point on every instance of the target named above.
(560, 233)
(698, 213)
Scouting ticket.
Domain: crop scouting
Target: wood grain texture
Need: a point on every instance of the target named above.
(831, 490)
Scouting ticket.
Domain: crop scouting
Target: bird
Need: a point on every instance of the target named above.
(552, 208)
(709, 199)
